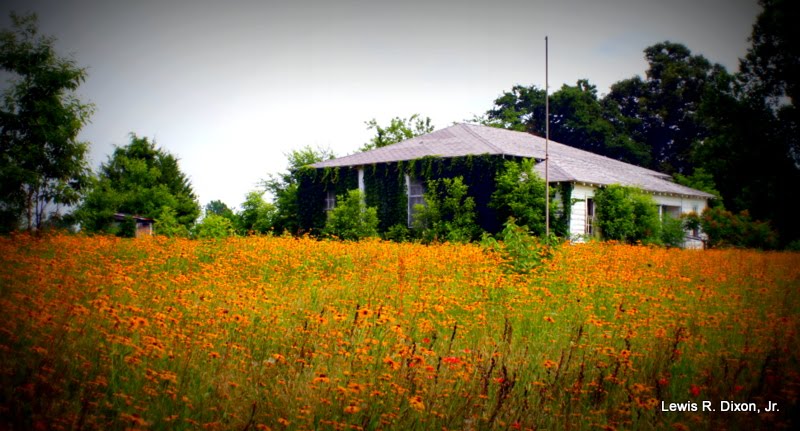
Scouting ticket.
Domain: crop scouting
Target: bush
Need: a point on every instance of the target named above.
(448, 213)
(726, 229)
(627, 214)
(521, 251)
(672, 233)
(167, 224)
(398, 233)
(214, 226)
(351, 219)
(520, 194)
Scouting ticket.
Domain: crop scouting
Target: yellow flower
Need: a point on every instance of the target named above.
(351, 409)
(416, 403)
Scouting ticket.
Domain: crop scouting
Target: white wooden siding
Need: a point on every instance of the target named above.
(580, 192)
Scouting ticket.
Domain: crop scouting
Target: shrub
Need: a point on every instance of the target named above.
(726, 229)
(398, 233)
(214, 226)
(351, 219)
(520, 194)
(672, 233)
(448, 213)
(521, 251)
(167, 224)
(627, 214)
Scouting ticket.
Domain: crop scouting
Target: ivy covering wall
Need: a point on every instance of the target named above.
(312, 187)
(385, 189)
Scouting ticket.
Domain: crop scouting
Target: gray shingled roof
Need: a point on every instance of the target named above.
(567, 164)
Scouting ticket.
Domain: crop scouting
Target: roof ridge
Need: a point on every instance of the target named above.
(480, 138)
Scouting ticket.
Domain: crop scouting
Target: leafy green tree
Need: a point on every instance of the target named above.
(257, 215)
(219, 208)
(448, 213)
(351, 219)
(283, 187)
(627, 214)
(577, 118)
(139, 179)
(214, 226)
(770, 78)
(700, 180)
(399, 129)
(521, 109)
(42, 163)
(752, 150)
(662, 111)
(771, 67)
(520, 194)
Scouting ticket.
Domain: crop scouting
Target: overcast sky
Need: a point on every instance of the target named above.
(231, 86)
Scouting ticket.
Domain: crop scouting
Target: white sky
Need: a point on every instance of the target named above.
(231, 87)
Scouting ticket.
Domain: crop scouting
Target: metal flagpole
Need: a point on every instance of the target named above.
(546, 143)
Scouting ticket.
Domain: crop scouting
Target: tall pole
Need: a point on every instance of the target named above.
(546, 143)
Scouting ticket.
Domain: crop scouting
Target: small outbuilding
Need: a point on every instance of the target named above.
(144, 225)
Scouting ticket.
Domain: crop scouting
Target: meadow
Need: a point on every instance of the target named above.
(273, 333)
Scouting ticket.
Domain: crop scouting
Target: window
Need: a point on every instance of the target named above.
(330, 201)
(589, 226)
(416, 191)
(670, 211)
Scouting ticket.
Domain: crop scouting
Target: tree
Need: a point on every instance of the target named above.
(219, 208)
(42, 163)
(752, 146)
(577, 118)
(139, 179)
(351, 219)
(399, 129)
(703, 181)
(283, 187)
(770, 78)
(661, 112)
(257, 215)
(521, 109)
(771, 67)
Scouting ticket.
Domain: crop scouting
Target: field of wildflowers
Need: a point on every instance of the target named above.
(277, 333)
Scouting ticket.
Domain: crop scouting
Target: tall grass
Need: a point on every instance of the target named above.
(282, 333)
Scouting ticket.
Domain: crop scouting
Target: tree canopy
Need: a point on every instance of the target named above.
(731, 134)
(577, 118)
(42, 163)
(283, 187)
(399, 129)
(139, 179)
